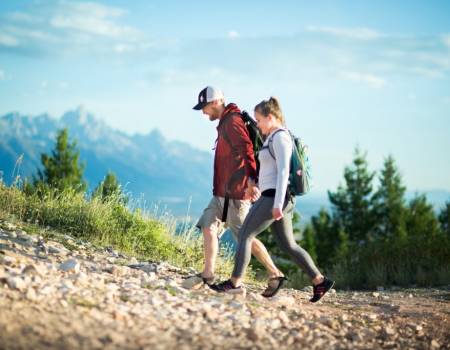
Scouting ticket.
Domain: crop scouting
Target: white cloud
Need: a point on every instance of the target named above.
(349, 33)
(2, 75)
(369, 79)
(446, 40)
(232, 34)
(8, 40)
(429, 73)
(64, 26)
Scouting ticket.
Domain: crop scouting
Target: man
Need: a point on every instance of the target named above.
(234, 167)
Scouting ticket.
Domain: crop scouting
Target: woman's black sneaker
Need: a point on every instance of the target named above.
(320, 289)
(227, 287)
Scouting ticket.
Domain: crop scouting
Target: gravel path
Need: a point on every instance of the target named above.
(84, 298)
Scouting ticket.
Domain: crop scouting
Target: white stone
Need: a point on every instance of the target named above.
(16, 282)
(70, 265)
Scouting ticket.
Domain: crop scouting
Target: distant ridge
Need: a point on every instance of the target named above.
(171, 173)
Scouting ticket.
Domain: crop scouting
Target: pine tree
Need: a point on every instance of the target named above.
(308, 241)
(424, 235)
(61, 169)
(352, 203)
(109, 188)
(389, 203)
(444, 219)
(326, 238)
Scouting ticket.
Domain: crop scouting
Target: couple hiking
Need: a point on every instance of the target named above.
(237, 184)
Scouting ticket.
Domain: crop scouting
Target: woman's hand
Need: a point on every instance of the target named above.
(277, 213)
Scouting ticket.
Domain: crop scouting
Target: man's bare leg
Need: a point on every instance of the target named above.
(210, 250)
(260, 252)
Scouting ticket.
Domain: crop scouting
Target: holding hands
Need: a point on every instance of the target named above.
(252, 193)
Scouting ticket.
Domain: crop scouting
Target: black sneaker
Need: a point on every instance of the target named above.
(320, 289)
(227, 287)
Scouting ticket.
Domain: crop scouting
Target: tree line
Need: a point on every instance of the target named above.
(373, 236)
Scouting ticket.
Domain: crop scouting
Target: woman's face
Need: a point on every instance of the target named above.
(265, 124)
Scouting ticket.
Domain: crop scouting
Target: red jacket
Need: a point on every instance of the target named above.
(234, 161)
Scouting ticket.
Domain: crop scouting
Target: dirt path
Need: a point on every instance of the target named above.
(55, 298)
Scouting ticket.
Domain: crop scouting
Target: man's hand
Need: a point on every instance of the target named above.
(277, 213)
(252, 192)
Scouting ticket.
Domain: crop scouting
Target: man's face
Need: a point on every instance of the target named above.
(211, 110)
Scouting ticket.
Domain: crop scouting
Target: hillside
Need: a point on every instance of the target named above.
(61, 293)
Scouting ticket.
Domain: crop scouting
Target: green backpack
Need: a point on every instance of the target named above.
(300, 169)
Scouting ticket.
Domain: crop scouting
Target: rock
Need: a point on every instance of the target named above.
(16, 283)
(435, 345)
(31, 270)
(31, 294)
(283, 300)
(256, 330)
(283, 317)
(70, 265)
(332, 323)
(193, 282)
(308, 289)
(389, 330)
(57, 249)
(146, 267)
(375, 294)
(23, 236)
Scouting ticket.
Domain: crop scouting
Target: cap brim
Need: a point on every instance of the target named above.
(200, 106)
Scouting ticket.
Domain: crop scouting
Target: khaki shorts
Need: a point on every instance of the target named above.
(212, 216)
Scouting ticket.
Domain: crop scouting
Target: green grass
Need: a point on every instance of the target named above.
(108, 222)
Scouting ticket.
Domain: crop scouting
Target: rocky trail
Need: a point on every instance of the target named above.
(60, 293)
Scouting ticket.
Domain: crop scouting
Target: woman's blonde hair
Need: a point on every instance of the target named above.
(270, 106)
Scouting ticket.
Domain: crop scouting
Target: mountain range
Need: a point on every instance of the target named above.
(169, 176)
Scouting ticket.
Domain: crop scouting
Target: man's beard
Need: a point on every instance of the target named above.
(214, 116)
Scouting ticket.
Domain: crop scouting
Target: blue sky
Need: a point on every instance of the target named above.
(347, 73)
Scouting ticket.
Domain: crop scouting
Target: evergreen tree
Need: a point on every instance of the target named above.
(421, 222)
(308, 241)
(352, 203)
(424, 236)
(444, 219)
(326, 238)
(62, 169)
(389, 203)
(109, 188)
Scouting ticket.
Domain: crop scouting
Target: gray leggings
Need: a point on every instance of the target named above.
(260, 218)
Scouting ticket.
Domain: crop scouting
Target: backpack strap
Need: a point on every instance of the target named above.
(271, 141)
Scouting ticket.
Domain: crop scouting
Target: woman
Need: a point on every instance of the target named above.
(273, 207)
